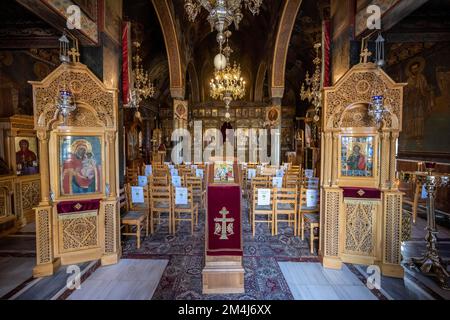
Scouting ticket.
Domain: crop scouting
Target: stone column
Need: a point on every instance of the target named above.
(276, 139)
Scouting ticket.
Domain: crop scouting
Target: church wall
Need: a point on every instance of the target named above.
(426, 129)
(16, 69)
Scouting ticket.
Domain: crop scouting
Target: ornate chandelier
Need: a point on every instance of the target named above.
(312, 90)
(227, 84)
(222, 13)
(142, 85)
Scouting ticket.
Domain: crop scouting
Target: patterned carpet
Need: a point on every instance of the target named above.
(182, 279)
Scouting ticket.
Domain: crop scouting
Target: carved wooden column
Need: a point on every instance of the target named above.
(384, 159)
(111, 136)
(392, 171)
(327, 159)
(335, 159)
(44, 136)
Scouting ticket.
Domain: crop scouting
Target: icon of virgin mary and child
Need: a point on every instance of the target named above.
(81, 173)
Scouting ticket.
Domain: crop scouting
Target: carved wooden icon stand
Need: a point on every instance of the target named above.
(77, 219)
(361, 213)
(223, 272)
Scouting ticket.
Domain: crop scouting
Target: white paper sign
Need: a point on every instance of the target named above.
(173, 172)
(181, 196)
(251, 173)
(194, 166)
(142, 181)
(171, 166)
(312, 197)
(280, 173)
(137, 195)
(277, 182)
(199, 173)
(264, 197)
(309, 173)
(148, 170)
(167, 163)
(176, 181)
(424, 194)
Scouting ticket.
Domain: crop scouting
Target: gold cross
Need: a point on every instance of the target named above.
(224, 220)
(74, 54)
(365, 54)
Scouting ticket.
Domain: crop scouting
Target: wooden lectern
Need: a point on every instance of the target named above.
(223, 272)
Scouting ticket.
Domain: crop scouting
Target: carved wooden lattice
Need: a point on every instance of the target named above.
(360, 220)
(43, 234)
(393, 216)
(333, 199)
(79, 233)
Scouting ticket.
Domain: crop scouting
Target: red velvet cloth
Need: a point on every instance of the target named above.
(220, 196)
(368, 193)
(70, 207)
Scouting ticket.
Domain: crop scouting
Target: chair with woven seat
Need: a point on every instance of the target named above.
(266, 211)
(285, 203)
(136, 214)
(291, 180)
(179, 211)
(160, 203)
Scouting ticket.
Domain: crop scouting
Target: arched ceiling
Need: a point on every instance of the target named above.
(253, 45)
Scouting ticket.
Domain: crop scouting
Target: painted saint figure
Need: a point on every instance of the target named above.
(356, 160)
(80, 171)
(26, 160)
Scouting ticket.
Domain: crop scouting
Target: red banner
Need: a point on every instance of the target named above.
(126, 62)
(224, 221)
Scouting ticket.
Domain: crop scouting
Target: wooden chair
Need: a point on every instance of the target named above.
(257, 183)
(190, 209)
(161, 202)
(136, 214)
(304, 210)
(265, 211)
(286, 205)
(312, 221)
(159, 180)
(291, 181)
(199, 193)
(132, 175)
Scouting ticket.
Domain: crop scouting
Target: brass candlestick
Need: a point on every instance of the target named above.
(431, 263)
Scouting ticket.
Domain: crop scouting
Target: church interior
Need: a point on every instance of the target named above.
(224, 150)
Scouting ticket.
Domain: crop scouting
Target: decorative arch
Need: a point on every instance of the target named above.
(192, 71)
(167, 22)
(259, 83)
(285, 27)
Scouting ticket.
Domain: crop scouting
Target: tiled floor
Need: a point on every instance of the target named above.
(310, 281)
(128, 280)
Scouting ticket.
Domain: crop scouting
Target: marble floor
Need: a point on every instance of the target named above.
(310, 281)
(128, 280)
(14, 272)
